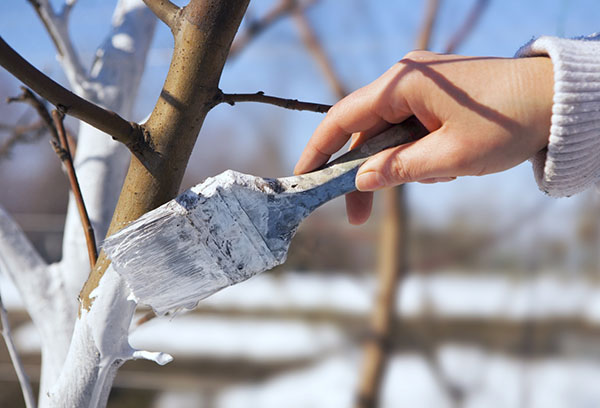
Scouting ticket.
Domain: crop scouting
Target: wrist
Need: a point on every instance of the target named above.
(537, 91)
(569, 164)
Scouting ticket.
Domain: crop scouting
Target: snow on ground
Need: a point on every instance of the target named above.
(450, 294)
(298, 291)
(222, 337)
(248, 338)
(488, 381)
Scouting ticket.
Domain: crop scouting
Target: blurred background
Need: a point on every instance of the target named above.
(496, 286)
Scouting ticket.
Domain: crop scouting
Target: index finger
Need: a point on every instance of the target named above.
(369, 108)
(354, 113)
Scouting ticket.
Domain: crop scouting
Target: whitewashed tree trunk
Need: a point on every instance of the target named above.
(80, 355)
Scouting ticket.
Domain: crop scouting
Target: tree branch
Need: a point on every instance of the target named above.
(64, 153)
(29, 98)
(424, 37)
(260, 97)
(57, 26)
(129, 133)
(14, 357)
(166, 11)
(16, 252)
(20, 134)
(313, 45)
(471, 21)
(68, 5)
(256, 27)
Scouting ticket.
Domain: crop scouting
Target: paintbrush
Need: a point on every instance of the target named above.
(230, 227)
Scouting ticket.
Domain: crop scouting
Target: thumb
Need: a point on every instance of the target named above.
(437, 155)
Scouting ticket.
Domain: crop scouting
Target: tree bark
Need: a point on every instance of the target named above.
(203, 36)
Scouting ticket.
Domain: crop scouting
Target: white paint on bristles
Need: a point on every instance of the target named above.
(191, 247)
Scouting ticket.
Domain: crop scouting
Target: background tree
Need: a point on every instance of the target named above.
(84, 344)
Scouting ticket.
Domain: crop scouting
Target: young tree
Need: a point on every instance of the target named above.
(84, 343)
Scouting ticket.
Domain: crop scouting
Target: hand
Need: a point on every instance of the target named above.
(485, 115)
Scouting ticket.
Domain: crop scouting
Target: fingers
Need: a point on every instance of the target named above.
(358, 206)
(360, 111)
(361, 137)
(436, 157)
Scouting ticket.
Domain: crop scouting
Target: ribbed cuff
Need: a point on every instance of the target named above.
(571, 162)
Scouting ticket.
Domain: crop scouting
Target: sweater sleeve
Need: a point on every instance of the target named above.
(571, 162)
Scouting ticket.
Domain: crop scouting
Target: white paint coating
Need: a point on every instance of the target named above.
(123, 42)
(193, 246)
(81, 356)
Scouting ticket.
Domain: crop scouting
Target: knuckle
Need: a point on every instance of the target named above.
(412, 68)
(418, 56)
(334, 112)
(397, 171)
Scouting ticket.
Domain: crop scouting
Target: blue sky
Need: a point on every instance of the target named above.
(364, 38)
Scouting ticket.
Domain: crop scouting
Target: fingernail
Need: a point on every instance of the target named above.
(300, 167)
(444, 179)
(369, 181)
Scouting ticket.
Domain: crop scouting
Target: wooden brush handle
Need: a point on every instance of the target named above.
(337, 176)
(408, 131)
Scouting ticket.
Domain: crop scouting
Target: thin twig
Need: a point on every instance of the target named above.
(60, 144)
(166, 11)
(20, 134)
(471, 21)
(57, 28)
(260, 97)
(313, 45)
(29, 98)
(254, 28)
(64, 153)
(129, 133)
(14, 357)
(424, 37)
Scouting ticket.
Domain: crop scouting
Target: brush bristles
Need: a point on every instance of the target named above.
(188, 249)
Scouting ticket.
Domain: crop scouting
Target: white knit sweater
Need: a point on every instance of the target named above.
(571, 162)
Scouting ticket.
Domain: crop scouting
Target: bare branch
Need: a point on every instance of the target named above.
(67, 7)
(313, 45)
(424, 37)
(61, 147)
(14, 357)
(166, 11)
(57, 26)
(20, 134)
(260, 97)
(256, 27)
(17, 254)
(29, 98)
(64, 153)
(129, 133)
(463, 32)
